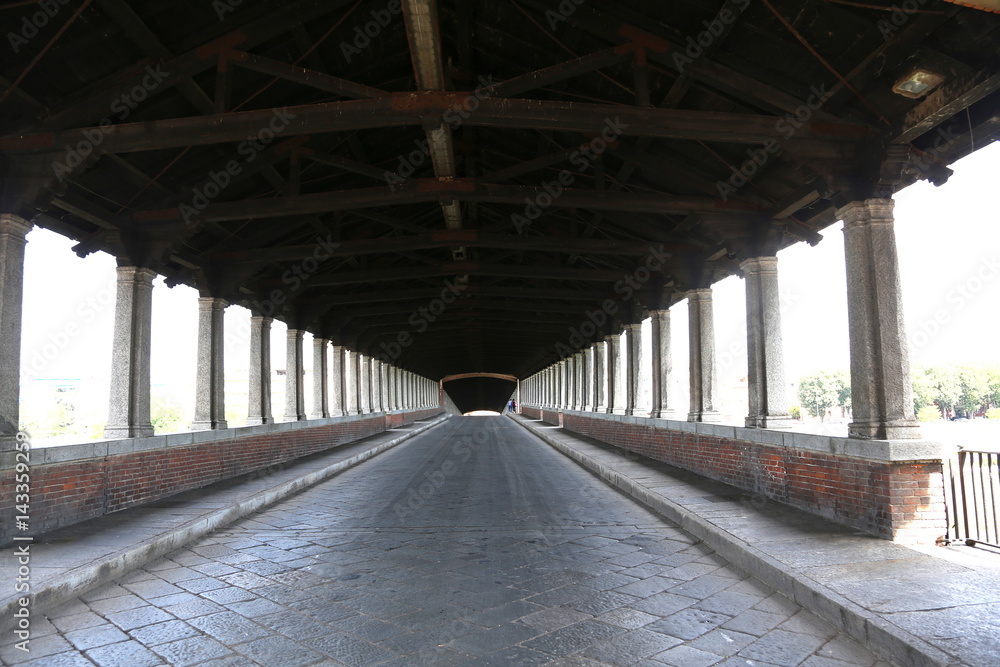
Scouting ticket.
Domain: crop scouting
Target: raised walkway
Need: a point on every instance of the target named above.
(917, 606)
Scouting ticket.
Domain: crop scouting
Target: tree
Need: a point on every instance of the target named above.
(166, 417)
(975, 389)
(822, 391)
(923, 390)
(947, 387)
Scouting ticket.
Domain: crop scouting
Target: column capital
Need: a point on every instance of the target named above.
(761, 264)
(135, 274)
(210, 302)
(261, 320)
(699, 294)
(14, 225)
(866, 211)
(633, 327)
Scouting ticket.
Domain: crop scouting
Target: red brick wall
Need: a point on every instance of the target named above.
(903, 501)
(66, 493)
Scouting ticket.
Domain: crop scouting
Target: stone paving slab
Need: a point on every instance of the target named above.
(474, 544)
(80, 557)
(914, 606)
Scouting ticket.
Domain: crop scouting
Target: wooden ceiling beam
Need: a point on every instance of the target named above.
(412, 109)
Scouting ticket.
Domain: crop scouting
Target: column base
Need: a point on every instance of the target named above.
(293, 418)
(220, 425)
(318, 416)
(258, 421)
(663, 414)
(704, 417)
(124, 432)
(769, 421)
(894, 430)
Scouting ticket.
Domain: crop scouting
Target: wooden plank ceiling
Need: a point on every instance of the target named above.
(344, 162)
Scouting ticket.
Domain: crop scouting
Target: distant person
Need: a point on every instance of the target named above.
(510, 405)
(513, 405)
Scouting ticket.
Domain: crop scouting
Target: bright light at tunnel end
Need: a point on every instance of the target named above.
(482, 413)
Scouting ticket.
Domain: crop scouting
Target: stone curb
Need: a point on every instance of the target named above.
(87, 577)
(871, 630)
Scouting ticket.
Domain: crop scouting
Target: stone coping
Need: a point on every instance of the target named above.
(41, 455)
(874, 450)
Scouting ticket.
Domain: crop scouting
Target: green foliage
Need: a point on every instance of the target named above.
(929, 413)
(824, 390)
(959, 389)
(993, 413)
(795, 411)
(167, 417)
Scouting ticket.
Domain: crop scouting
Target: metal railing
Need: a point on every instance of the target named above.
(973, 497)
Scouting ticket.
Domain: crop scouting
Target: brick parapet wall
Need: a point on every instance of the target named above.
(79, 482)
(868, 485)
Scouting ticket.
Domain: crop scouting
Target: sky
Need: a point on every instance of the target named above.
(948, 239)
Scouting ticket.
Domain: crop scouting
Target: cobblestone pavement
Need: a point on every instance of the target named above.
(474, 544)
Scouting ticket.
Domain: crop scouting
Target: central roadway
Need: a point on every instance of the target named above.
(472, 544)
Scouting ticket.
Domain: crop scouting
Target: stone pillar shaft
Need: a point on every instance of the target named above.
(701, 355)
(585, 380)
(351, 382)
(633, 364)
(260, 371)
(766, 364)
(13, 230)
(364, 384)
(662, 365)
(128, 415)
(614, 374)
(321, 379)
(295, 408)
(210, 383)
(881, 393)
(338, 406)
(600, 366)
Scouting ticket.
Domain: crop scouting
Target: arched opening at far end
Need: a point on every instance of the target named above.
(482, 413)
(477, 392)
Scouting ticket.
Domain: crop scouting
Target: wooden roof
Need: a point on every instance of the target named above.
(346, 164)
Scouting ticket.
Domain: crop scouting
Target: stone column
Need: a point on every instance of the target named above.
(600, 366)
(615, 388)
(364, 384)
(633, 366)
(351, 382)
(567, 385)
(128, 414)
(13, 230)
(766, 364)
(586, 360)
(390, 385)
(260, 371)
(321, 381)
(295, 408)
(383, 386)
(376, 385)
(701, 347)
(338, 389)
(662, 365)
(881, 393)
(210, 382)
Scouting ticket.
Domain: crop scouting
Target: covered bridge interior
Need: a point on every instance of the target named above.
(452, 186)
